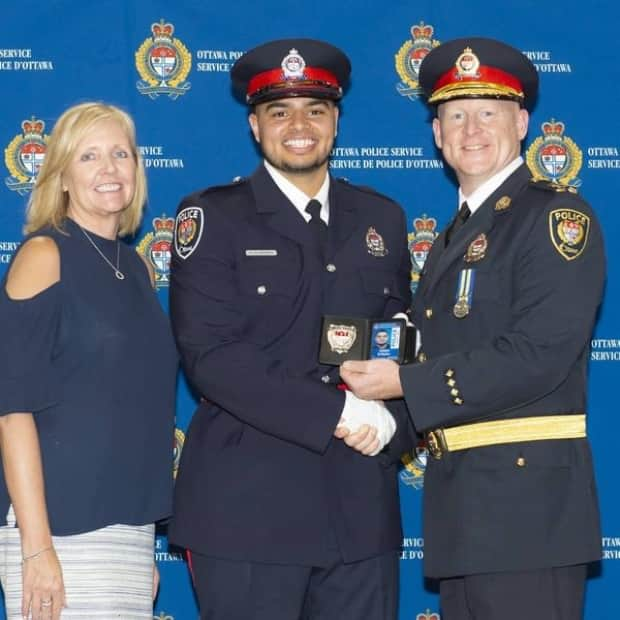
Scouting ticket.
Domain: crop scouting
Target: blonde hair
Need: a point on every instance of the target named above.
(48, 202)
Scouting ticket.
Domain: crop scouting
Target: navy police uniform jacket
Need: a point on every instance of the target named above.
(261, 477)
(522, 350)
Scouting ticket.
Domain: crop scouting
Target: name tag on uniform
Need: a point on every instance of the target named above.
(261, 252)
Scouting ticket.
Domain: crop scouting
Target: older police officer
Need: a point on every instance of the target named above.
(287, 491)
(505, 309)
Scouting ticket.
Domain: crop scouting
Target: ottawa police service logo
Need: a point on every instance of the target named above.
(163, 63)
(414, 466)
(156, 247)
(188, 231)
(554, 156)
(375, 244)
(409, 58)
(428, 615)
(569, 231)
(24, 156)
(467, 65)
(293, 65)
(420, 242)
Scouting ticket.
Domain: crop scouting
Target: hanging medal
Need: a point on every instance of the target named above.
(464, 293)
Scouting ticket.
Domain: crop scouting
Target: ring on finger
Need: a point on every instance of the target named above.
(46, 603)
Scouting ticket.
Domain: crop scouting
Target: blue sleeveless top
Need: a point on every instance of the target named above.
(93, 358)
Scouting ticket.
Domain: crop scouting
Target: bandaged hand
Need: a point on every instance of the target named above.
(365, 425)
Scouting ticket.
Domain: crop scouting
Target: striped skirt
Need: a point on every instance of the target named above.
(108, 573)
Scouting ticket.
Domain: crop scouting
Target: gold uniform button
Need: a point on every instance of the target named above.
(428, 313)
(331, 268)
(261, 289)
(422, 357)
(520, 462)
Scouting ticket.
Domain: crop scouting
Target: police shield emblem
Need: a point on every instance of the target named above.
(163, 60)
(341, 337)
(188, 231)
(569, 231)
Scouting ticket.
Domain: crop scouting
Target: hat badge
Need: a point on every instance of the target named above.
(467, 65)
(293, 65)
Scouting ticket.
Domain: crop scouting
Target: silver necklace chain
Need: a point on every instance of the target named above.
(117, 272)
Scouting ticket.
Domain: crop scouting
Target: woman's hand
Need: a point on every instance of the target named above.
(43, 587)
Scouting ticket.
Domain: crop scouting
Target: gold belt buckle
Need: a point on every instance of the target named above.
(436, 443)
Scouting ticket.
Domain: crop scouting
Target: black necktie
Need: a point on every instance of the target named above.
(459, 219)
(317, 225)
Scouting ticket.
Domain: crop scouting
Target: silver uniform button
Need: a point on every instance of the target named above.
(325, 379)
(331, 267)
(261, 290)
(386, 290)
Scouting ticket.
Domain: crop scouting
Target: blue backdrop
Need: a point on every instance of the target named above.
(192, 133)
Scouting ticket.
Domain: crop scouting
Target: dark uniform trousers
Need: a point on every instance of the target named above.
(283, 520)
(545, 594)
(498, 517)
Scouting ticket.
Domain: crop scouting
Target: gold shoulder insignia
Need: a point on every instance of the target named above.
(552, 186)
(569, 231)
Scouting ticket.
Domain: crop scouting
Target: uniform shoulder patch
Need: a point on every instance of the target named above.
(569, 230)
(188, 229)
(552, 186)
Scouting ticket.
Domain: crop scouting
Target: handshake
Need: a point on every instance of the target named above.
(365, 425)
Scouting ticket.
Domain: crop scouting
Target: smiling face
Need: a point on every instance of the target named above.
(479, 137)
(101, 176)
(296, 134)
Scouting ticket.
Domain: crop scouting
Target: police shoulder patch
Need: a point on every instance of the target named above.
(188, 230)
(569, 230)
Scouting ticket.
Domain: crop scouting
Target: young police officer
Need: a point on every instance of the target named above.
(287, 491)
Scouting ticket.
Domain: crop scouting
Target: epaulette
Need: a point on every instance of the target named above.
(236, 182)
(364, 188)
(552, 186)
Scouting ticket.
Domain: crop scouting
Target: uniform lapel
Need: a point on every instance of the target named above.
(343, 219)
(277, 210)
(480, 222)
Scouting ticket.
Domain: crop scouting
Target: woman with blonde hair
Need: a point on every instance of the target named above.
(87, 385)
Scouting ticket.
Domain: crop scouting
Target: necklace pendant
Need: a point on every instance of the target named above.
(119, 275)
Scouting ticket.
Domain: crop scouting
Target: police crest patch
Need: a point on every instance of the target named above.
(375, 243)
(569, 231)
(188, 231)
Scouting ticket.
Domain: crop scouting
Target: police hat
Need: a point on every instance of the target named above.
(475, 67)
(290, 68)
